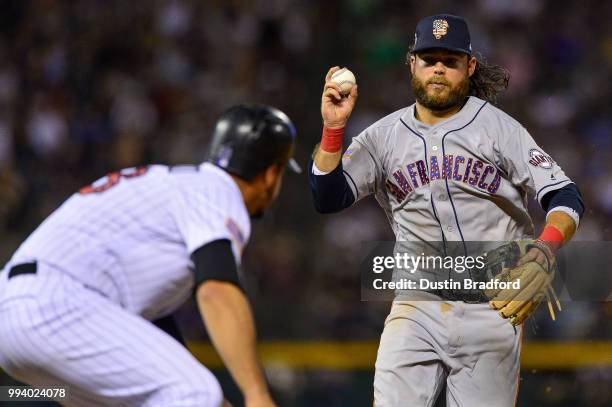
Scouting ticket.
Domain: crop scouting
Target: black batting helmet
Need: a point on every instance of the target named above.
(249, 138)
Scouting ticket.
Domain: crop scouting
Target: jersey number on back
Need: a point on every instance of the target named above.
(112, 179)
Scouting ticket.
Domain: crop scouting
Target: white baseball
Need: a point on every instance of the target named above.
(345, 79)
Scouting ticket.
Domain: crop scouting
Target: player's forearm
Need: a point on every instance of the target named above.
(329, 152)
(326, 161)
(229, 321)
(563, 223)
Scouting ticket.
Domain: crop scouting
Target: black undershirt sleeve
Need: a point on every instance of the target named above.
(215, 261)
(330, 192)
(569, 196)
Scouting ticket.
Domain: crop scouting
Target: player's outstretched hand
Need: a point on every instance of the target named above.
(336, 109)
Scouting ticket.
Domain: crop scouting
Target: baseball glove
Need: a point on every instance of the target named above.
(531, 262)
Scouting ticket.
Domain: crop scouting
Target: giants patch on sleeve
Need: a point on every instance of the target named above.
(539, 159)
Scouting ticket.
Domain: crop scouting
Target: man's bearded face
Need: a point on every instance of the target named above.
(440, 80)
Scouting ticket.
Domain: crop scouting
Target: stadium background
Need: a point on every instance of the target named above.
(87, 87)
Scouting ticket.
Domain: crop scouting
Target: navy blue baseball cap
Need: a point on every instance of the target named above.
(444, 31)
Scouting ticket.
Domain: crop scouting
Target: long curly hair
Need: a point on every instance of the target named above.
(488, 80)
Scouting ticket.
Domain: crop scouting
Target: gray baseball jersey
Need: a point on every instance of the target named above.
(465, 178)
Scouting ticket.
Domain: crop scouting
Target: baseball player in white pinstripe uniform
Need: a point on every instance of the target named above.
(77, 298)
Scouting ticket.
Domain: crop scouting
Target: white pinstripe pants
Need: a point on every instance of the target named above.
(54, 331)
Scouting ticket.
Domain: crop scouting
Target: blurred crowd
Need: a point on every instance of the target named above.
(91, 86)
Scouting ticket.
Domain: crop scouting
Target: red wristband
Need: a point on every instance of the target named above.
(331, 140)
(552, 237)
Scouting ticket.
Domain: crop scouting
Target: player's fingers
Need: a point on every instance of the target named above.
(498, 304)
(332, 94)
(503, 296)
(332, 85)
(503, 299)
(506, 295)
(331, 72)
(528, 310)
(524, 313)
(353, 94)
(512, 308)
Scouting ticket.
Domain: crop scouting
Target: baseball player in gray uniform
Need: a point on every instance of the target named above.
(77, 298)
(450, 168)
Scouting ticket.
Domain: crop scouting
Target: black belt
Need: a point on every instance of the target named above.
(23, 268)
(470, 297)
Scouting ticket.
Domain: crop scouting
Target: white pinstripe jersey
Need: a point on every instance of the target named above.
(130, 234)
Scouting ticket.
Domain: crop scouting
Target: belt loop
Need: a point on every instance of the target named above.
(23, 268)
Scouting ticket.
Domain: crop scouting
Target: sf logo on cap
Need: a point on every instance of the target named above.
(440, 28)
